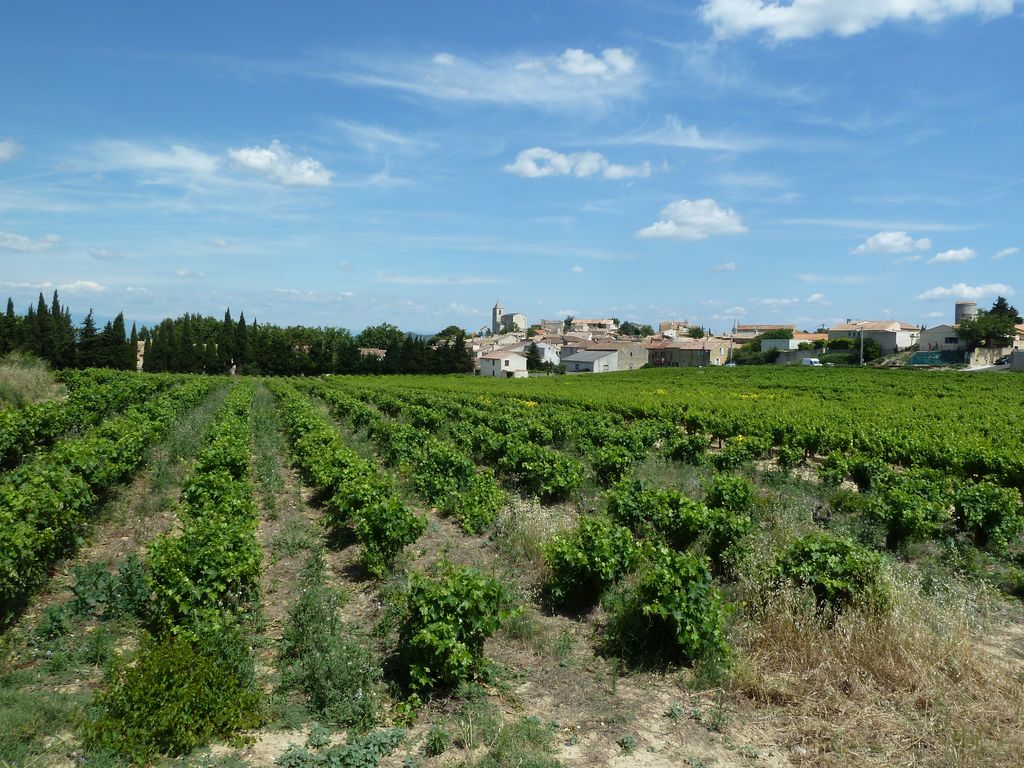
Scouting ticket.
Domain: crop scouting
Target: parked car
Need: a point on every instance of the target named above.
(811, 361)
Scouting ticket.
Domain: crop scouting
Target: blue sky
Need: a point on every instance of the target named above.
(348, 164)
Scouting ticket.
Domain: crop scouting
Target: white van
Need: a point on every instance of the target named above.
(810, 361)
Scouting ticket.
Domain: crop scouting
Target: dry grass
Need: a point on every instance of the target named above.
(25, 380)
(915, 687)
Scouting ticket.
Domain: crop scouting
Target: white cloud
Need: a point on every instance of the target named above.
(8, 149)
(22, 244)
(807, 18)
(694, 220)
(132, 156)
(538, 162)
(395, 279)
(818, 299)
(729, 266)
(278, 164)
(954, 255)
(577, 269)
(1006, 252)
(219, 242)
(775, 302)
(892, 242)
(964, 291)
(908, 259)
(104, 254)
(835, 279)
(729, 313)
(674, 133)
(188, 273)
(77, 286)
(611, 63)
(568, 81)
(82, 286)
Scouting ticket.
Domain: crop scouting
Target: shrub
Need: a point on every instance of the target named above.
(671, 613)
(543, 471)
(587, 559)
(680, 521)
(790, 457)
(912, 506)
(990, 513)
(212, 568)
(691, 449)
(833, 469)
(610, 463)
(441, 472)
(326, 659)
(445, 620)
(866, 471)
(384, 528)
(477, 505)
(838, 571)
(732, 492)
(176, 694)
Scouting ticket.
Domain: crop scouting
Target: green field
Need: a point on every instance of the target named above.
(692, 567)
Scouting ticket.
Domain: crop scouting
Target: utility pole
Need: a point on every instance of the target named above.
(862, 345)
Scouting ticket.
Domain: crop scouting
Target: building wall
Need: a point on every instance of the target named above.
(631, 357)
(1017, 361)
(687, 358)
(942, 338)
(606, 364)
(779, 344)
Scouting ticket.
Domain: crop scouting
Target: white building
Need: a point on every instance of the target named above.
(548, 352)
(592, 361)
(892, 336)
(503, 365)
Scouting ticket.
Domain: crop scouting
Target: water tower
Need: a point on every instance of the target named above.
(965, 310)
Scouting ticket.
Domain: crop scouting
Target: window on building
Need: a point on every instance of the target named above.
(951, 340)
(506, 362)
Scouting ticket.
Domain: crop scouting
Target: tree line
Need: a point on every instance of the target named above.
(194, 343)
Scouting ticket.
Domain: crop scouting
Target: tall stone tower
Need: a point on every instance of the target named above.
(496, 313)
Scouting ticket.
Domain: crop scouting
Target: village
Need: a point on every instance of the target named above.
(603, 345)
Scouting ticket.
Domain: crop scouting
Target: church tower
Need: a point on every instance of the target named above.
(496, 313)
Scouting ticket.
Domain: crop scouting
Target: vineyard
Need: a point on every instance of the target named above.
(693, 567)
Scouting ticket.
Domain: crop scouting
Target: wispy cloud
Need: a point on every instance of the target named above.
(8, 149)
(375, 139)
(674, 133)
(808, 18)
(11, 242)
(1006, 252)
(964, 291)
(840, 223)
(775, 303)
(729, 266)
(571, 80)
(75, 286)
(892, 242)
(277, 163)
(952, 256)
(396, 279)
(109, 155)
(538, 162)
(835, 279)
(694, 220)
(105, 254)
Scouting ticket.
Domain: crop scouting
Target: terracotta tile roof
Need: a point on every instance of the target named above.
(765, 327)
(499, 355)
